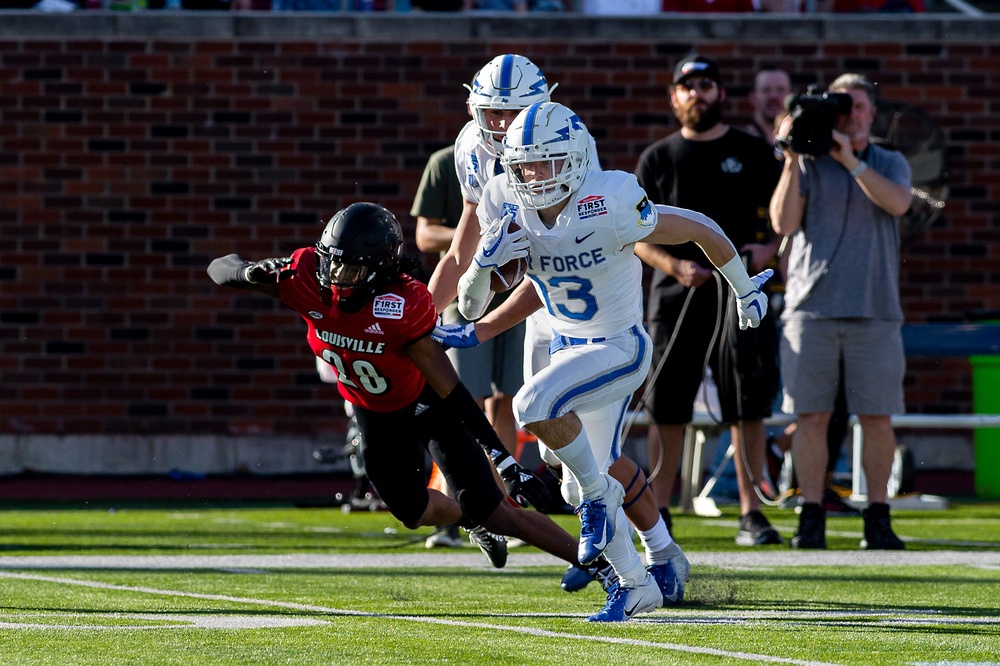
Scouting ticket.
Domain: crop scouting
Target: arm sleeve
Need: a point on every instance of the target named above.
(461, 403)
(474, 293)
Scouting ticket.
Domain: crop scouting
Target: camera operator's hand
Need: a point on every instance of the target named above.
(843, 151)
(781, 138)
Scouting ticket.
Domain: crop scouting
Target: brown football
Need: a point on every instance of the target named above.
(509, 275)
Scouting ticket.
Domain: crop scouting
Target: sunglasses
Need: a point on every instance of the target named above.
(703, 85)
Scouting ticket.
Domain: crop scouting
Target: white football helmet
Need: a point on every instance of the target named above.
(508, 81)
(546, 132)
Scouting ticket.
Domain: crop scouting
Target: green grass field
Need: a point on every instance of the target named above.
(220, 584)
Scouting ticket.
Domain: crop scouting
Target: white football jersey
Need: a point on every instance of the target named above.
(476, 166)
(584, 268)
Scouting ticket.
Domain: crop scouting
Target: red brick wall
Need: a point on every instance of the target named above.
(127, 165)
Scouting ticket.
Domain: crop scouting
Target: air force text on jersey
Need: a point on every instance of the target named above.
(571, 263)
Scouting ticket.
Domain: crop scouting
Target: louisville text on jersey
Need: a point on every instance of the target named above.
(353, 344)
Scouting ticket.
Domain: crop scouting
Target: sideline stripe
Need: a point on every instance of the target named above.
(544, 633)
(472, 558)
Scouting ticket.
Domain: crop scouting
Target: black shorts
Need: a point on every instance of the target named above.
(754, 352)
(393, 446)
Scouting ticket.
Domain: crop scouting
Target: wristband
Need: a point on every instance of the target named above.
(736, 275)
(860, 169)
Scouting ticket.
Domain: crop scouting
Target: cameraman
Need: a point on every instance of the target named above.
(842, 303)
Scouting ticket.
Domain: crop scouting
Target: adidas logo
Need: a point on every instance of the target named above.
(375, 328)
(421, 407)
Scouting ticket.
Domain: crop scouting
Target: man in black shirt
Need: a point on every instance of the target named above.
(728, 175)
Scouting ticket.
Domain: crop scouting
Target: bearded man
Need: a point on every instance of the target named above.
(728, 175)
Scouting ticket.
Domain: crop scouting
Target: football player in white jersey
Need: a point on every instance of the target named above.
(504, 86)
(578, 230)
(499, 91)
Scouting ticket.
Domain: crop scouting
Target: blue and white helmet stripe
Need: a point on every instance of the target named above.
(508, 82)
(546, 131)
(528, 137)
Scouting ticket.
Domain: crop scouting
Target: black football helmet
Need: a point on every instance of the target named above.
(359, 252)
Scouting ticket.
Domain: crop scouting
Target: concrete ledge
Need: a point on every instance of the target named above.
(160, 454)
(333, 26)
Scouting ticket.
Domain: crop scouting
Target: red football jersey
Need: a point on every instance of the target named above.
(366, 347)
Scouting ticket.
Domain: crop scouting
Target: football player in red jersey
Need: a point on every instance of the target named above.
(372, 322)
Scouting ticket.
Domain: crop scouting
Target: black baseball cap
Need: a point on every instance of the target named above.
(696, 65)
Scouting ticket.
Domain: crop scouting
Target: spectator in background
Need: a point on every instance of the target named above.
(771, 85)
(438, 5)
(438, 203)
(620, 7)
(842, 304)
(871, 6)
(728, 175)
(713, 6)
(515, 5)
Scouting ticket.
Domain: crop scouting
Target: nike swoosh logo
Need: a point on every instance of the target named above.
(602, 544)
(630, 611)
(580, 240)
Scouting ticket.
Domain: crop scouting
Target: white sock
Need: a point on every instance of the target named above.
(622, 555)
(656, 541)
(579, 458)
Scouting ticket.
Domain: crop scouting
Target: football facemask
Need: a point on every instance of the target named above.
(359, 249)
(546, 155)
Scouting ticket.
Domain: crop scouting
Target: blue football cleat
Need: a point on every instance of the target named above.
(671, 586)
(624, 602)
(577, 578)
(597, 521)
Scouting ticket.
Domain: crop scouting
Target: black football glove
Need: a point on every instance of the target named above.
(269, 271)
(525, 488)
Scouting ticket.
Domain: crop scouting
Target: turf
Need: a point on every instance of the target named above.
(224, 584)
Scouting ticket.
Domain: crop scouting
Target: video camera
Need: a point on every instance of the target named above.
(813, 117)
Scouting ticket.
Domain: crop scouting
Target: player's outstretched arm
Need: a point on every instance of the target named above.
(260, 276)
(680, 225)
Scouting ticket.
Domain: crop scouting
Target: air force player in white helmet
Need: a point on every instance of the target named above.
(504, 86)
(578, 230)
(499, 91)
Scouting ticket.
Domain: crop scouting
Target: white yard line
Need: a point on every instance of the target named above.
(530, 631)
(763, 557)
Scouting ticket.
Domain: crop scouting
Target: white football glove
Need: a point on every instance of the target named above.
(753, 306)
(498, 246)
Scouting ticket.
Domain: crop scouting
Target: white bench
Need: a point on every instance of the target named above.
(692, 459)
